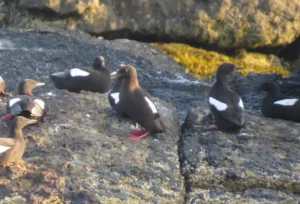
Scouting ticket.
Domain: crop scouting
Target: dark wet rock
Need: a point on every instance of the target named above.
(223, 23)
(257, 164)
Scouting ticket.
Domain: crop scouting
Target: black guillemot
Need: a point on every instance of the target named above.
(94, 79)
(137, 104)
(225, 105)
(277, 105)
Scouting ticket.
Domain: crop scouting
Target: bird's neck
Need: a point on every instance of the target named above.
(132, 83)
(222, 80)
(273, 94)
(15, 132)
(25, 92)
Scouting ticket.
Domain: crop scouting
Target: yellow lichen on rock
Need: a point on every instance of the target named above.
(204, 64)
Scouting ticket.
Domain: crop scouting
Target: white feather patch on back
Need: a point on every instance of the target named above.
(151, 104)
(241, 104)
(59, 74)
(220, 106)
(40, 103)
(13, 101)
(1, 79)
(78, 72)
(4, 149)
(286, 102)
(116, 97)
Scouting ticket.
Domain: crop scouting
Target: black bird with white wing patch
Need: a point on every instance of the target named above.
(225, 105)
(25, 104)
(94, 79)
(277, 105)
(137, 104)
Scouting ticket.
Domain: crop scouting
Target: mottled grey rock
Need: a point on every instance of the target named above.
(82, 152)
(258, 164)
(222, 23)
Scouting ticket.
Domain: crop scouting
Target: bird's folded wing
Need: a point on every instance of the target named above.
(6, 144)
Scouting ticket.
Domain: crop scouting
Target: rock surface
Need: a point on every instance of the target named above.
(259, 164)
(82, 153)
(222, 23)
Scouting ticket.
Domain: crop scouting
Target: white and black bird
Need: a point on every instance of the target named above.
(226, 105)
(277, 105)
(134, 102)
(93, 79)
(26, 104)
(114, 95)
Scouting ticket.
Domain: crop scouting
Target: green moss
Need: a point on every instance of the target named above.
(203, 64)
(253, 181)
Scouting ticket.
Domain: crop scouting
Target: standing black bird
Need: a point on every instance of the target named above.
(137, 104)
(225, 105)
(25, 104)
(94, 79)
(277, 105)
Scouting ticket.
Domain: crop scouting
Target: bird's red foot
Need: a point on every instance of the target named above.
(8, 116)
(140, 136)
(138, 132)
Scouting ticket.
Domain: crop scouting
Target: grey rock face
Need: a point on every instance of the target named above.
(82, 152)
(223, 23)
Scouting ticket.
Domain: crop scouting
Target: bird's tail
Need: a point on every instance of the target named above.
(160, 125)
(58, 80)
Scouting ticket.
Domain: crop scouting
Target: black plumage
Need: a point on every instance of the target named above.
(93, 79)
(226, 105)
(277, 105)
(137, 104)
(114, 95)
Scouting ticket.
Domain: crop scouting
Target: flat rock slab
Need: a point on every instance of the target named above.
(258, 164)
(82, 152)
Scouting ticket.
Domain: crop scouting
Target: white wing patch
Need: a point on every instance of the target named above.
(286, 102)
(40, 103)
(59, 74)
(151, 104)
(78, 72)
(4, 149)
(1, 79)
(13, 101)
(220, 106)
(116, 97)
(241, 104)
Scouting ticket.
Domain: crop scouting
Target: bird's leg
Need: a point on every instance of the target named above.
(136, 138)
(8, 116)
